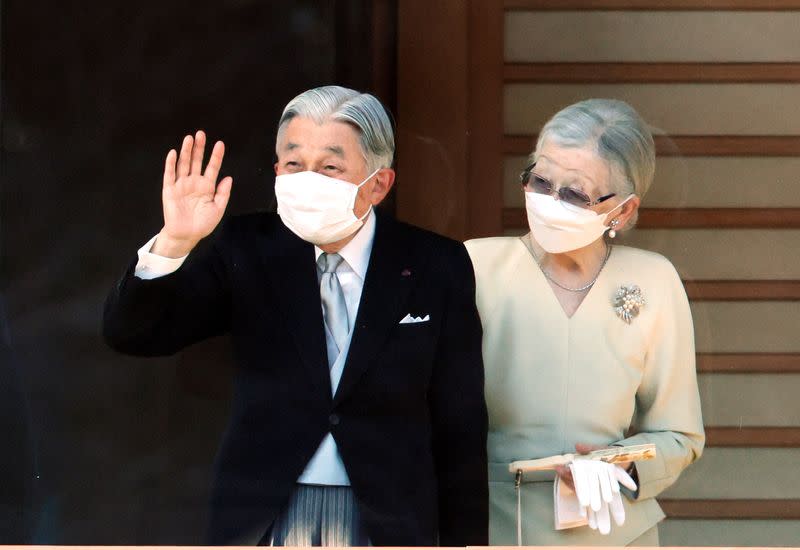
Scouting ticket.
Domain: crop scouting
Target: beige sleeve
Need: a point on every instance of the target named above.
(668, 401)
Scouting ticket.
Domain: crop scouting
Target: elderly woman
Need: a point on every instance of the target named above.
(586, 344)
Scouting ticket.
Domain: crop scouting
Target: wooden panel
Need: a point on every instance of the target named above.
(729, 532)
(760, 146)
(667, 5)
(485, 81)
(742, 290)
(746, 327)
(383, 78)
(693, 146)
(733, 218)
(450, 116)
(432, 124)
(743, 363)
(732, 509)
(737, 472)
(725, 182)
(694, 218)
(651, 36)
(750, 400)
(518, 145)
(677, 109)
(651, 72)
(384, 59)
(763, 436)
(514, 218)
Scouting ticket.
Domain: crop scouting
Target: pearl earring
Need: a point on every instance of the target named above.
(613, 232)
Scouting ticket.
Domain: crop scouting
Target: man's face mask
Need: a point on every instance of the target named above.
(318, 208)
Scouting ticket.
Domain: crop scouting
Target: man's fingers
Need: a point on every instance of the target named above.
(223, 192)
(197, 152)
(215, 161)
(184, 159)
(169, 168)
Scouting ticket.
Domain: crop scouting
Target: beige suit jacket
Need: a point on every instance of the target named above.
(553, 381)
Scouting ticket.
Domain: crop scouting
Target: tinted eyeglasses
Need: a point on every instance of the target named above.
(567, 194)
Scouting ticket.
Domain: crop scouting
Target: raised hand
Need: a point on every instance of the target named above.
(193, 202)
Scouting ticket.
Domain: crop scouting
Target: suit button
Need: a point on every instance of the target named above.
(334, 419)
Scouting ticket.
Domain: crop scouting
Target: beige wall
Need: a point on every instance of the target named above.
(678, 109)
(683, 532)
(652, 36)
(727, 473)
(751, 400)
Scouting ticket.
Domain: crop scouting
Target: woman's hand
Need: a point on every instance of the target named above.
(192, 200)
(583, 448)
(597, 488)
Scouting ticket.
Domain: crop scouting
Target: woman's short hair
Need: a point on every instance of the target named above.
(615, 131)
(363, 111)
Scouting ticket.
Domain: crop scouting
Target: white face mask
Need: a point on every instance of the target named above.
(560, 227)
(317, 208)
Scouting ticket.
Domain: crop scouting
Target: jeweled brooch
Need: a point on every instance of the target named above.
(628, 300)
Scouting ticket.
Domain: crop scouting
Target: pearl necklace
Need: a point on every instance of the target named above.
(584, 287)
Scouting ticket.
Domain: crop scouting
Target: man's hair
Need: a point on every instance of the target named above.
(362, 111)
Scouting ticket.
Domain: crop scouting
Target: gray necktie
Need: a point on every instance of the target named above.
(334, 309)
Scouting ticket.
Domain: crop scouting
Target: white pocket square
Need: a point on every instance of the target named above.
(409, 319)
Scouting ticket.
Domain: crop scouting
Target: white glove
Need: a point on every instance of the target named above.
(597, 489)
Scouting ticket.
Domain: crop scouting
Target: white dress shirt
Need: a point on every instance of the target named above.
(326, 466)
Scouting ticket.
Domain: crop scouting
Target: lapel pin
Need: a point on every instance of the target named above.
(406, 272)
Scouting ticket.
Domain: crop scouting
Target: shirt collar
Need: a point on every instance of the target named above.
(356, 253)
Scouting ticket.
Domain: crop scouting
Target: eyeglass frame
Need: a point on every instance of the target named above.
(525, 177)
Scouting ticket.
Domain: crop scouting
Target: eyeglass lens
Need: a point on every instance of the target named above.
(567, 194)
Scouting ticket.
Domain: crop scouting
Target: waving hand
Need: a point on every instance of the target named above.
(192, 199)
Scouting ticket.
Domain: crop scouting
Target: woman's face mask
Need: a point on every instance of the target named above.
(560, 227)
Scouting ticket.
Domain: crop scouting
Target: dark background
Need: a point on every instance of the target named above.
(101, 448)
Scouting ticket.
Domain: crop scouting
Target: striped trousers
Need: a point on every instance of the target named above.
(318, 515)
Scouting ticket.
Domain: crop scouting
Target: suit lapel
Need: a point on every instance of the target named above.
(289, 262)
(391, 275)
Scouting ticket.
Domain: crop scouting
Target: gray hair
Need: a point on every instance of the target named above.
(363, 111)
(616, 132)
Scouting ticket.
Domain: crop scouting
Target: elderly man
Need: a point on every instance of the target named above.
(358, 416)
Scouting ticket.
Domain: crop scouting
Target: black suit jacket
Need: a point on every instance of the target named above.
(18, 471)
(409, 415)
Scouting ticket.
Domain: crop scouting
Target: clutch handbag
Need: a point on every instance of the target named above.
(614, 455)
